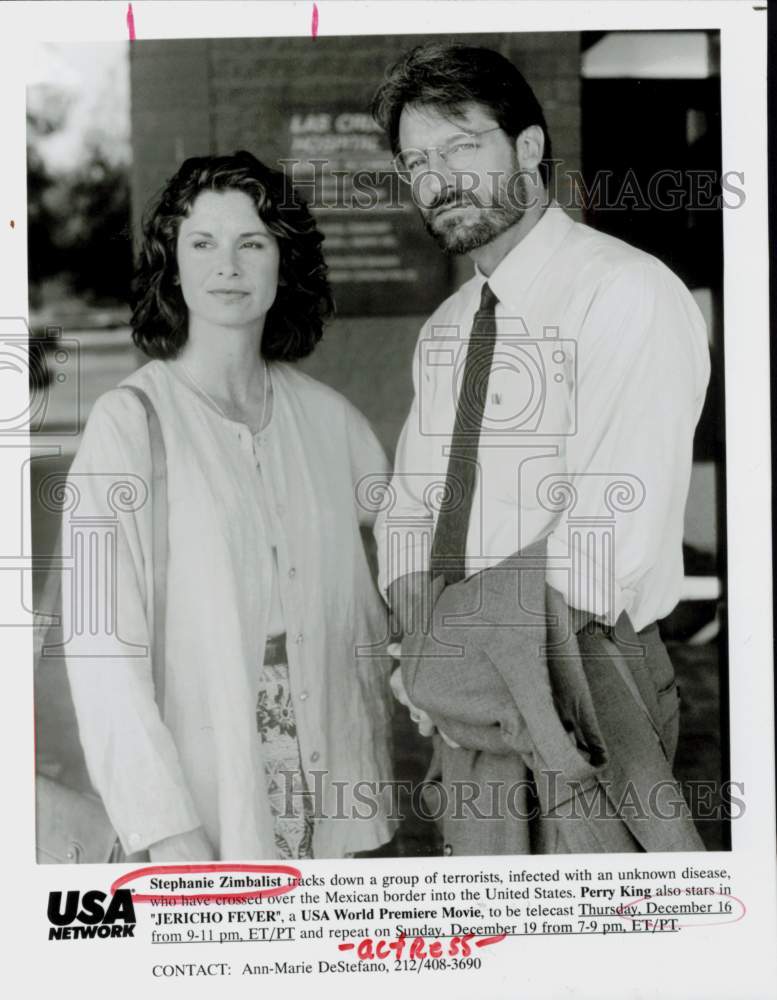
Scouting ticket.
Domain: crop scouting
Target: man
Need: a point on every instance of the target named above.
(533, 531)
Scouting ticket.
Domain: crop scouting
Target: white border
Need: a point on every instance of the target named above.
(737, 960)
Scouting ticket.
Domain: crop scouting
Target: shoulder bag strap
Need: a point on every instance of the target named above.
(159, 541)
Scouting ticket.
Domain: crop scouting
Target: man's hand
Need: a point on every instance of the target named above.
(190, 846)
(425, 725)
(421, 719)
(412, 598)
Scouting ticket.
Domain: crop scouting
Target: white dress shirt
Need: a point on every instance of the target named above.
(201, 763)
(599, 374)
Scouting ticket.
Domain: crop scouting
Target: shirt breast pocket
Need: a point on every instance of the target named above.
(528, 389)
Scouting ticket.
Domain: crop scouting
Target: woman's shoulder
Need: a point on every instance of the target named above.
(310, 391)
(331, 416)
(118, 403)
(118, 417)
(151, 378)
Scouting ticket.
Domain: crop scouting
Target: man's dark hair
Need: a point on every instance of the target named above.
(294, 323)
(447, 77)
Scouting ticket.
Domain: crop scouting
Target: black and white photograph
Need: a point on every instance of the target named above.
(391, 477)
(244, 255)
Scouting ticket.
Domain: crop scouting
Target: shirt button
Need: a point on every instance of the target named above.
(298, 638)
(292, 573)
(314, 756)
(303, 696)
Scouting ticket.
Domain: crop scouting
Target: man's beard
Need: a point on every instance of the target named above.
(456, 235)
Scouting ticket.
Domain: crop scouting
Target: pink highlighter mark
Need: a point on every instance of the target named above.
(313, 23)
(130, 22)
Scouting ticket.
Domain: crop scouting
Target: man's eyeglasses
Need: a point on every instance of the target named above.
(458, 153)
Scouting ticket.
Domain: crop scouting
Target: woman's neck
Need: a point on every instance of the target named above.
(226, 362)
(225, 366)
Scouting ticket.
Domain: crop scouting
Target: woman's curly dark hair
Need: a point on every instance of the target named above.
(294, 323)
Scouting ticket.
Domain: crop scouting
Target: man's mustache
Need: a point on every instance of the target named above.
(452, 198)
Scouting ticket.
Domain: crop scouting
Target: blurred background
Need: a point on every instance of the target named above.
(109, 123)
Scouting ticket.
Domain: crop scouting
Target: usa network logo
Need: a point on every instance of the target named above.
(90, 915)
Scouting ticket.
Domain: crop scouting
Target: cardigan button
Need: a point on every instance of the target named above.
(314, 756)
(447, 850)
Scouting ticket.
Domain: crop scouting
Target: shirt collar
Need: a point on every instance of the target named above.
(516, 271)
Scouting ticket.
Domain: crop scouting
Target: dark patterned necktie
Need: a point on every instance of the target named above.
(450, 536)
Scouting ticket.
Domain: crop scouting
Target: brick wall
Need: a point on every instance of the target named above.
(170, 113)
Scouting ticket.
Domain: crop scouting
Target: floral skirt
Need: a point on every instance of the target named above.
(291, 807)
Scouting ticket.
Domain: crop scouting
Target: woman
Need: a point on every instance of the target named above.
(274, 708)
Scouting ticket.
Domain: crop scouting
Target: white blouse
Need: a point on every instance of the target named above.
(201, 765)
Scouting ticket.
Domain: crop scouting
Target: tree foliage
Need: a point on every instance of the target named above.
(78, 220)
